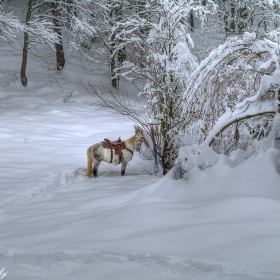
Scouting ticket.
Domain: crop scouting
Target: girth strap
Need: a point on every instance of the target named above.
(128, 150)
(111, 160)
(117, 146)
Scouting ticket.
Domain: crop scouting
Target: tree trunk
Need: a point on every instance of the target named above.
(191, 20)
(119, 16)
(164, 159)
(167, 146)
(60, 59)
(167, 155)
(121, 55)
(144, 31)
(279, 101)
(225, 15)
(113, 66)
(25, 46)
(112, 45)
(242, 14)
(227, 30)
(232, 19)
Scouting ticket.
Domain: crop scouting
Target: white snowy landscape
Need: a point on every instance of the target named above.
(220, 222)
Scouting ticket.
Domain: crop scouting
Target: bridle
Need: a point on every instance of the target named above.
(139, 140)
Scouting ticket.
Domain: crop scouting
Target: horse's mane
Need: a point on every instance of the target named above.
(130, 141)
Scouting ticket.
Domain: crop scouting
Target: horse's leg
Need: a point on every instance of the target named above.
(124, 164)
(89, 164)
(95, 168)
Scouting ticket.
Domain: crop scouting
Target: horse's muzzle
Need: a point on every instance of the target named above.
(138, 145)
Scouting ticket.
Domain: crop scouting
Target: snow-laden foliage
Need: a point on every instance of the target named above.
(239, 16)
(83, 25)
(202, 156)
(252, 121)
(274, 35)
(229, 75)
(41, 32)
(234, 17)
(9, 28)
(169, 63)
(160, 44)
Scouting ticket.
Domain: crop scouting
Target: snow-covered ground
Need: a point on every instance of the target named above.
(222, 223)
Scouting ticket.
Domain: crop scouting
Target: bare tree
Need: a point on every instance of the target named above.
(56, 14)
(25, 45)
(37, 30)
(237, 16)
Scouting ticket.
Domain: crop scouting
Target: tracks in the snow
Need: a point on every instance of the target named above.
(43, 185)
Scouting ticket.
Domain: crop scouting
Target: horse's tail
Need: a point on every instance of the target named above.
(89, 164)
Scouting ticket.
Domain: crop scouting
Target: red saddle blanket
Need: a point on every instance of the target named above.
(117, 145)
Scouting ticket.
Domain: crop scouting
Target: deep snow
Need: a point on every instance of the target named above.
(221, 223)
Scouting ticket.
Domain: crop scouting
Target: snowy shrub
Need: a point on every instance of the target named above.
(230, 74)
(194, 157)
(257, 116)
(202, 156)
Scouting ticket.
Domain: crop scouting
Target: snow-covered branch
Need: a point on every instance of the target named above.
(9, 28)
(42, 32)
(229, 75)
(256, 115)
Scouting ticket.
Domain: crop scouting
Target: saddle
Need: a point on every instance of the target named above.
(116, 145)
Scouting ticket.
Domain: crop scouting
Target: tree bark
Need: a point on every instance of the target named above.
(232, 19)
(279, 101)
(25, 46)
(191, 20)
(119, 16)
(112, 45)
(60, 59)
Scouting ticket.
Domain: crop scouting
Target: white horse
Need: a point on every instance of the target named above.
(97, 152)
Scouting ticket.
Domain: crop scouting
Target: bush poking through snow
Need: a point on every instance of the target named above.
(194, 157)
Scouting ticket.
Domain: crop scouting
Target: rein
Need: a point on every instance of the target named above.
(128, 149)
(150, 158)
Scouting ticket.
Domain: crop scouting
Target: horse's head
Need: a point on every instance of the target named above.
(138, 138)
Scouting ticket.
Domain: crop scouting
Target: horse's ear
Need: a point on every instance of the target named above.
(137, 129)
